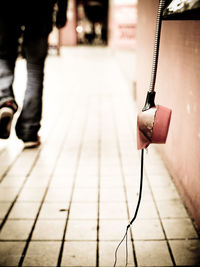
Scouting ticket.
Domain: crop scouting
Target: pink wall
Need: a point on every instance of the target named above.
(122, 24)
(178, 87)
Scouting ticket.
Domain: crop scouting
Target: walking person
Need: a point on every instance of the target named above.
(33, 19)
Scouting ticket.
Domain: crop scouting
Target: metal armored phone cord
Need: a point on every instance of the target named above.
(156, 46)
(148, 104)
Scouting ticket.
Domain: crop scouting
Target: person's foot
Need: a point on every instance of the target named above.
(32, 143)
(7, 111)
(27, 134)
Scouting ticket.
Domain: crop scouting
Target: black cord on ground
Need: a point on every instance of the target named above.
(135, 215)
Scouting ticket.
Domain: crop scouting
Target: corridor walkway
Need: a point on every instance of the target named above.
(67, 203)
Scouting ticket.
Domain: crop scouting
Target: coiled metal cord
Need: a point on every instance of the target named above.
(156, 46)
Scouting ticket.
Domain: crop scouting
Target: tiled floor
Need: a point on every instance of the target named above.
(68, 202)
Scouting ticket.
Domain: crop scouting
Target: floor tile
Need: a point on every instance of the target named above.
(16, 230)
(42, 254)
(186, 252)
(87, 170)
(113, 210)
(24, 210)
(133, 193)
(118, 194)
(112, 230)
(83, 211)
(10, 253)
(61, 181)
(8, 193)
(165, 193)
(21, 167)
(32, 194)
(111, 170)
(111, 182)
(156, 168)
(134, 181)
(58, 195)
(160, 180)
(49, 230)
(13, 180)
(42, 170)
(179, 228)
(37, 181)
(81, 230)
(147, 229)
(107, 254)
(84, 180)
(52, 210)
(147, 209)
(85, 195)
(79, 254)
(172, 209)
(152, 253)
(4, 207)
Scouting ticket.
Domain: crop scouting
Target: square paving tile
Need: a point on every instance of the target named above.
(13, 180)
(111, 170)
(179, 228)
(65, 170)
(16, 230)
(32, 194)
(165, 193)
(42, 170)
(49, 230)
(107, 254)
(24, 210)
(79, 254)
(58, 195)
(152, 253)
(52, 210)
(147, 229)
(172, 209)
(81, 230)
(147, 209)
(88, 169)
(4, 206)
(134, 171)
(134, 181)
(156, 168)
(84, 180)
(111, 181)
(20, 168)
(8, 193)
(61, 181)
(112, 230)
(133, 193)
(186, 252)
(113, 210)
(42, 254)
(10, 253)
(160, 180)
(37, 181)
(117, 195)
(83, 211)
(85, 195)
